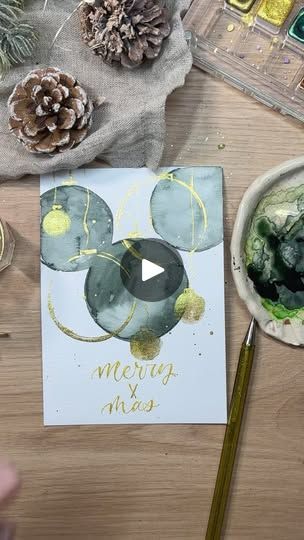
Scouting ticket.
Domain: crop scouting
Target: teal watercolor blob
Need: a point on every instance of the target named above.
(110, 303)
(75, 223)
(186, 208)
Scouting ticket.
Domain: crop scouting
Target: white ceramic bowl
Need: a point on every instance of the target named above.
(289, 174)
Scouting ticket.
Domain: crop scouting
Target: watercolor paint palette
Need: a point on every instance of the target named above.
(255, 45)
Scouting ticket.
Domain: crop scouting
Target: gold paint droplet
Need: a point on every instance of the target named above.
(56, 222)
(190, 307)
(145, 345)
(221, 146)
(230, 27)
(69, 182)
(248, 19)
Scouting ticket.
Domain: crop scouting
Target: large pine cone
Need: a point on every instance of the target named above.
(49, 111)
(125, 31)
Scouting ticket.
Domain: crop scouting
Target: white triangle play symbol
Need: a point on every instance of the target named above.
(149, 270)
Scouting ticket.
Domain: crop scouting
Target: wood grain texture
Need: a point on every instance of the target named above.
(156, 482)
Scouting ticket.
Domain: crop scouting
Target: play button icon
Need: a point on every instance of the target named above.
(151, 270)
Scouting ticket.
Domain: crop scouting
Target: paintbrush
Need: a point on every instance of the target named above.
(221, 491)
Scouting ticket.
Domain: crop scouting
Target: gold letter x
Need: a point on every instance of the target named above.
(133, 389)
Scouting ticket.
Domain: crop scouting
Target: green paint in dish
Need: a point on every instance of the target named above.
(274, 253)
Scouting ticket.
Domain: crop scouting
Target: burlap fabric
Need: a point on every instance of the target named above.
(129, 130)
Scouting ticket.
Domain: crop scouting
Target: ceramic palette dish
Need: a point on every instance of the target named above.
(267, 251)
(255, 45)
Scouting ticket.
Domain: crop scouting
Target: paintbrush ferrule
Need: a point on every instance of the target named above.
(250, 336)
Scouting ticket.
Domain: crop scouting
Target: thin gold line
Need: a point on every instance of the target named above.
(123, 203)
(197, 198)
(85, 225)
(114, 260)
(192, 210)
(134, 252)
(2, 240)
(82, 254)
(102, 255)
(171, 178)
(98, 339)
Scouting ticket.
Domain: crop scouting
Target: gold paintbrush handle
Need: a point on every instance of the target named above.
(228, 454)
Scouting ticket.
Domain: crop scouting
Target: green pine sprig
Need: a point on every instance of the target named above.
(17, 38)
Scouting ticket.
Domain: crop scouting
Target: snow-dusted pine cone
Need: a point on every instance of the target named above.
(125, 31)
(49, 111)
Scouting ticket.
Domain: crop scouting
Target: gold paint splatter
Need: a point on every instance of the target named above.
(273, 43)
(189, 306)
(230, 27)
(68, 332)
(69, 182)
(145, 345)
(57, 222)
(221, 146)
(248, 19)
(134, 234)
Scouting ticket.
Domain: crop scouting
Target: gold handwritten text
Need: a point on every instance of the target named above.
(118, 372)
(133, 389)
(118, 405)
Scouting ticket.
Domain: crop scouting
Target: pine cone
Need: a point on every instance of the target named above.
(49, 111)
(125, 31)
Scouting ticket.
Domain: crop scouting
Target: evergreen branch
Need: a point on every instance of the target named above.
(18, 43)
(10, 11)
(4, 64)
(17, 39)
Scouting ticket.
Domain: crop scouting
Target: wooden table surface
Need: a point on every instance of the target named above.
(156, 482)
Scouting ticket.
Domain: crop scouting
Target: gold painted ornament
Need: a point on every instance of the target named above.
(189, 306)
(57, 222)
(145, 345)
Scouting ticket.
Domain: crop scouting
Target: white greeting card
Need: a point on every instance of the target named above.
(132, 296)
